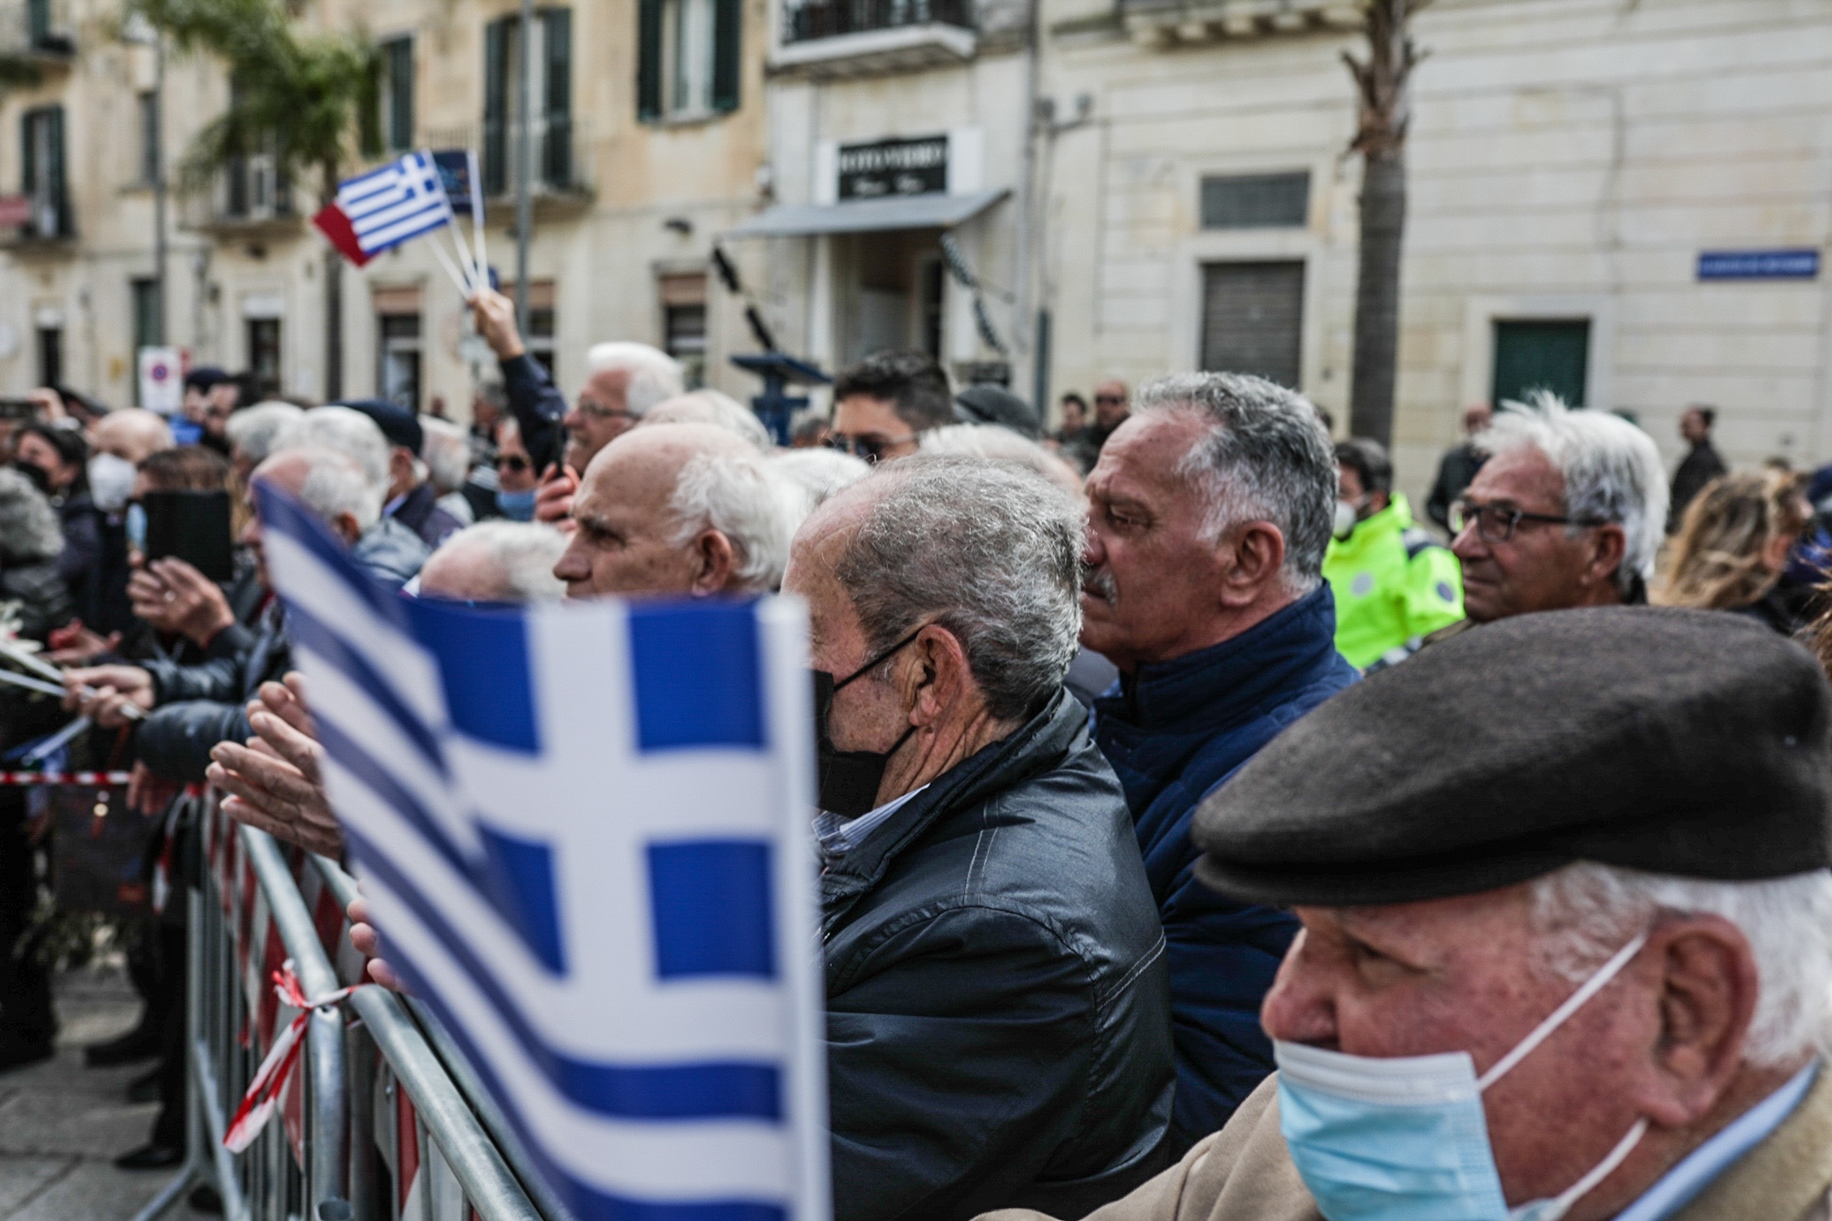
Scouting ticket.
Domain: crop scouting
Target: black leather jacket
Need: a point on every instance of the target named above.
(197, 706)
(998, 1006)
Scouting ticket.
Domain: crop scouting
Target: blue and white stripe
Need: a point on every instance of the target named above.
(401, 200)
(582, 832)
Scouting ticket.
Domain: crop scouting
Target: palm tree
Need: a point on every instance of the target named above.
(295, 96)
(1383, 85)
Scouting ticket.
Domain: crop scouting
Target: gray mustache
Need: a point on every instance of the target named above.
(1099, 581)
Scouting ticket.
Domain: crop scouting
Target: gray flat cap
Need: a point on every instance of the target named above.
(1696, 743)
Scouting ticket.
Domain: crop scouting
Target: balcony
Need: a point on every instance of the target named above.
(1170, 23)
(39, 223)
(839, 38)
(37, 35)
(251, 199)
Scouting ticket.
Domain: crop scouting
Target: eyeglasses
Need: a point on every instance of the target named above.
(1110, 398)
(1496, 523)
(870, 448)
(514, 462)
(600, 412)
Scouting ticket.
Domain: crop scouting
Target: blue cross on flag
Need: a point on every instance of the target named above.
(583, 833)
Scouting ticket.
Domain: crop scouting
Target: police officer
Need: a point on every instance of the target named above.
(1393, 583)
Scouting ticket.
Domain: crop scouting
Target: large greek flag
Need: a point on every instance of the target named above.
(583, 833)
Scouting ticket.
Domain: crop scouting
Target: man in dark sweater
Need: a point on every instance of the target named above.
(1210, 510)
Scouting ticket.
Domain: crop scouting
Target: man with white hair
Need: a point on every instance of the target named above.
(385, 546)
(1210, 510)
(997, 1025)
(623, 381)
(1569, 510)
(252, 432)
(681, 510)
(1567, 946)
(713, 407)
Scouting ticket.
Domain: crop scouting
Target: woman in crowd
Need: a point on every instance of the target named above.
(1733, 546)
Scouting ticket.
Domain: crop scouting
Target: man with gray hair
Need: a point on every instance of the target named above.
(997, 1016)
(682, 510)
(252, 432)
(1567, 944)
(1569, 510)
(384, 545)
(1210, 510)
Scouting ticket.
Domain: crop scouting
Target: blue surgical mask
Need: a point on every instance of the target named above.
(1405, 1138)
(136, 526)
(516, 506)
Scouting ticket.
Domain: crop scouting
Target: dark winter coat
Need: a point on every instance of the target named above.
(1173, 732)
(997, 1012)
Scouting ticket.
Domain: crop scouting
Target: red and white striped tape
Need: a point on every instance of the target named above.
(14, 779)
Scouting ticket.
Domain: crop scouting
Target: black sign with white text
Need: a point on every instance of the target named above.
(894, 167)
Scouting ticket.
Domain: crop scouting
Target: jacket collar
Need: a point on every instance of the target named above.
(1219, 685)
(1033, 747)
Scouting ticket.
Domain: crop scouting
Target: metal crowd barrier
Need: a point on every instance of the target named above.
(382, 1119)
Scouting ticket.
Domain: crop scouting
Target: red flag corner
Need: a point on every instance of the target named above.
(336, 227)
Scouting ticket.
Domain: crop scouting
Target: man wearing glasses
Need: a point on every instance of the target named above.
(1567, 511)
(1112, 407)
(883, 405)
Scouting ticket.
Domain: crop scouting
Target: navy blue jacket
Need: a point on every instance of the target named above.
(1173, 731)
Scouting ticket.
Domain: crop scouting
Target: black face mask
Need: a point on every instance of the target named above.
(35, 474)
(849, 779)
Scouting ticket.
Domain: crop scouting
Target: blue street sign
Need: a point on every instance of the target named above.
(1758, 265)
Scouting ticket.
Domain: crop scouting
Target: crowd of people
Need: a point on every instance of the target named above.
(1200, 836)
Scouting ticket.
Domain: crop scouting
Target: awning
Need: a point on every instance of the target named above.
(868, 215)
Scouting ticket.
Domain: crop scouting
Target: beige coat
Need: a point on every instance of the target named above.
(1242, 1173)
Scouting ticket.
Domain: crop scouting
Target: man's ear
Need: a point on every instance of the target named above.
(400, 465)
(1707, 987)
(715, 563)
(1609, 544)
(347, 528)
(936, 676)
(1257, 552)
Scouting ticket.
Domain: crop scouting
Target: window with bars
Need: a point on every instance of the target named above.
(42, 178)
(394, 95)
(1256, 201)
(1253, 319)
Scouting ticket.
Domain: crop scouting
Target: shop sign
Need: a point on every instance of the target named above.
(894, 167)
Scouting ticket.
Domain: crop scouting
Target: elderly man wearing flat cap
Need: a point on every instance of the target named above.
(1567, 946)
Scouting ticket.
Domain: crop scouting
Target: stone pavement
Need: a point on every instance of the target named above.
(61, 1123)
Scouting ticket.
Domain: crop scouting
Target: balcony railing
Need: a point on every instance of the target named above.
(832, 18)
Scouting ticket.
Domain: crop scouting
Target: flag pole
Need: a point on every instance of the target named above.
(477, 235)
(445, 260)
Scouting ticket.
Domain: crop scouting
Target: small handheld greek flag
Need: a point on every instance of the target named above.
(379, 210)
(583, 833)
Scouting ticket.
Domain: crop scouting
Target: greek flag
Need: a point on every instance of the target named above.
(583, 833)
(399, 201)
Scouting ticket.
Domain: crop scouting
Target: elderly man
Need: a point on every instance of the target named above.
(252, 432)
(996, 1010)
(384, 545)
(1210, 511)
(883, 405)
(1568, 511)
(411, 498)
(1604, 996)
(623, 380)
(675, 509)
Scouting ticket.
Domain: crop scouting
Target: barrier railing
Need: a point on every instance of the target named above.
(381, 1119)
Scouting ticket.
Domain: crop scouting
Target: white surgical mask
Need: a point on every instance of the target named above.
(1405, 1138)
(111, 482)
(1346, 517)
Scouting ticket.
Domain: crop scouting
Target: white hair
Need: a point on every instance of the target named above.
(655, 376)
(345, 431)
(735, 494)
(713, 407)
(995, 441)
(521, 554)
(1612, 471)
(336, 485)
(253, 430)
(446, 451)
(1587, 911)
(805, 478)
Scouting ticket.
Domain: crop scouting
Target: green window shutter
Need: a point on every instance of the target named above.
(495, 108)
(556, 160)
(28, 162)
(369, 108)
(400, 94)
(649, 60)
(54, 170)
(727, 40)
